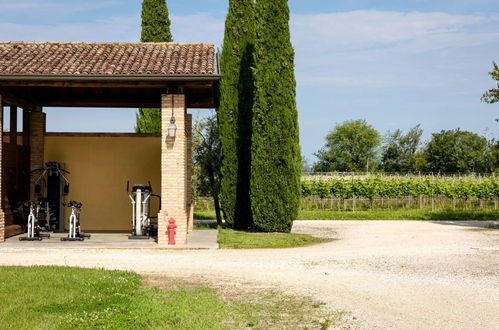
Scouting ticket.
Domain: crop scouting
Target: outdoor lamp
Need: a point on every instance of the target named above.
(172, 128)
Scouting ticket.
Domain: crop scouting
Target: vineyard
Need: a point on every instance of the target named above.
(364, 192)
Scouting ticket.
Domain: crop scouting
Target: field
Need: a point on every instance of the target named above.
(392, 197)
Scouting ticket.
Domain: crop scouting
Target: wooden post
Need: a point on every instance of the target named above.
(13, 125)
(2, 214)
(37, 144)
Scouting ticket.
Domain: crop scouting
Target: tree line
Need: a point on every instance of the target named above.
(356, 146)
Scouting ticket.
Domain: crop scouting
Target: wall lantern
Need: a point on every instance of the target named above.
(172, 128)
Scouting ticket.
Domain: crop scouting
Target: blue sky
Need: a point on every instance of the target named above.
(394, 63)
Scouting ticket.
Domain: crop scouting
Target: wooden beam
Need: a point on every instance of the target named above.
(21, 102)
(25, 127)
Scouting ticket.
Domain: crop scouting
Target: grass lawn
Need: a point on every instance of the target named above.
(63, 297)
(398, 214)
(237, 239)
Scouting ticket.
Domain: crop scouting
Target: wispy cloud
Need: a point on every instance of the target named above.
(383, 49)
(62, 7)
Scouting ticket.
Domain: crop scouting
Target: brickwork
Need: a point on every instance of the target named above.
(190, 208)
(2, 214)
(37, 144)
(173, 170)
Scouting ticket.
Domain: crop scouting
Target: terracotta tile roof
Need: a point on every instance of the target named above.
(97, 58)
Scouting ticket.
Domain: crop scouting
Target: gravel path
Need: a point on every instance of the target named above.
(388, 274)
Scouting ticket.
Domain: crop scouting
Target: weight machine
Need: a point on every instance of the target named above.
(53, 184)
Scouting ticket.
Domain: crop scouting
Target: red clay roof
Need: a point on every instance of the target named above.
(102, 58)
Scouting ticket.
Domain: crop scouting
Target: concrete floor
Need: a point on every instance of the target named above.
(198, 239)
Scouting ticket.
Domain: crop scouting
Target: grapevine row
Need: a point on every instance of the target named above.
(384, 186)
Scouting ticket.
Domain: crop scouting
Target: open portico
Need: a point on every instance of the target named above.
(170, 76)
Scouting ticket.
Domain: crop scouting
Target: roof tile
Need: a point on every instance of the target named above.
(104, 58)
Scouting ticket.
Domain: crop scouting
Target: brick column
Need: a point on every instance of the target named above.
(2, 214)
(37, 145)
(173, 170)
(190, 204)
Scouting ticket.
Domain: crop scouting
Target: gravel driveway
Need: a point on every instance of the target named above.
(388, 274)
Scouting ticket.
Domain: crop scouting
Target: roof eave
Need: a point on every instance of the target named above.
(114, 77)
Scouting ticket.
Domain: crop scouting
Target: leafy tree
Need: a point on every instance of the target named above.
(492, 95)
(275, 150)
(207, 156)
(155, 28)
(235, 111)
(351, 146)
(399, 150)
(148, 120)
(456, 151)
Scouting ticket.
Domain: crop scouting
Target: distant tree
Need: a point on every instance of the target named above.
(235, 111)
(305, 164)
(155, 28)
(206, 155)
(399, 150)
(350, 146)
(275, 189)
(456, 151)
(492, 95)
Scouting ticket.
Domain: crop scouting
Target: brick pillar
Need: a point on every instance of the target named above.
(2, 214)
(190, 204)
(37, 144)
(173, 170)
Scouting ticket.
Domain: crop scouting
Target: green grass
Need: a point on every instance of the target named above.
(236, 239)
(205, 215)
(397, 214)
(62, 298)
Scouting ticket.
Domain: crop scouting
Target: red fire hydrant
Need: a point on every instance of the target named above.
(171, 231)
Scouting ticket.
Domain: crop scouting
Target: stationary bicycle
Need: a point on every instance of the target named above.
(34, 229)
(75, 233)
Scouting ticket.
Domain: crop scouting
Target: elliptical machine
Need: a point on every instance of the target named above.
(75, 233)
(142, 228)
(34, 229)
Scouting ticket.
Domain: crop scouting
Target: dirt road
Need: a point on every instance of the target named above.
(388, 274)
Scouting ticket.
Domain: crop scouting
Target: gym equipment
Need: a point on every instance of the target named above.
(75, 233)
(53, 184)
(142, 228)
(34, 230)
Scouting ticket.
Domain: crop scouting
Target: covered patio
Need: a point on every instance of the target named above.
(169, 76)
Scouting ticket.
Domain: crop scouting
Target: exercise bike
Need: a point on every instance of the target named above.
(75, 233)
(142, 228)
(34, 229)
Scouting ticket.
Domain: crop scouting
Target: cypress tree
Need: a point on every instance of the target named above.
(155, 22)
(234, 113)
(155, 28)
(275, 172)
